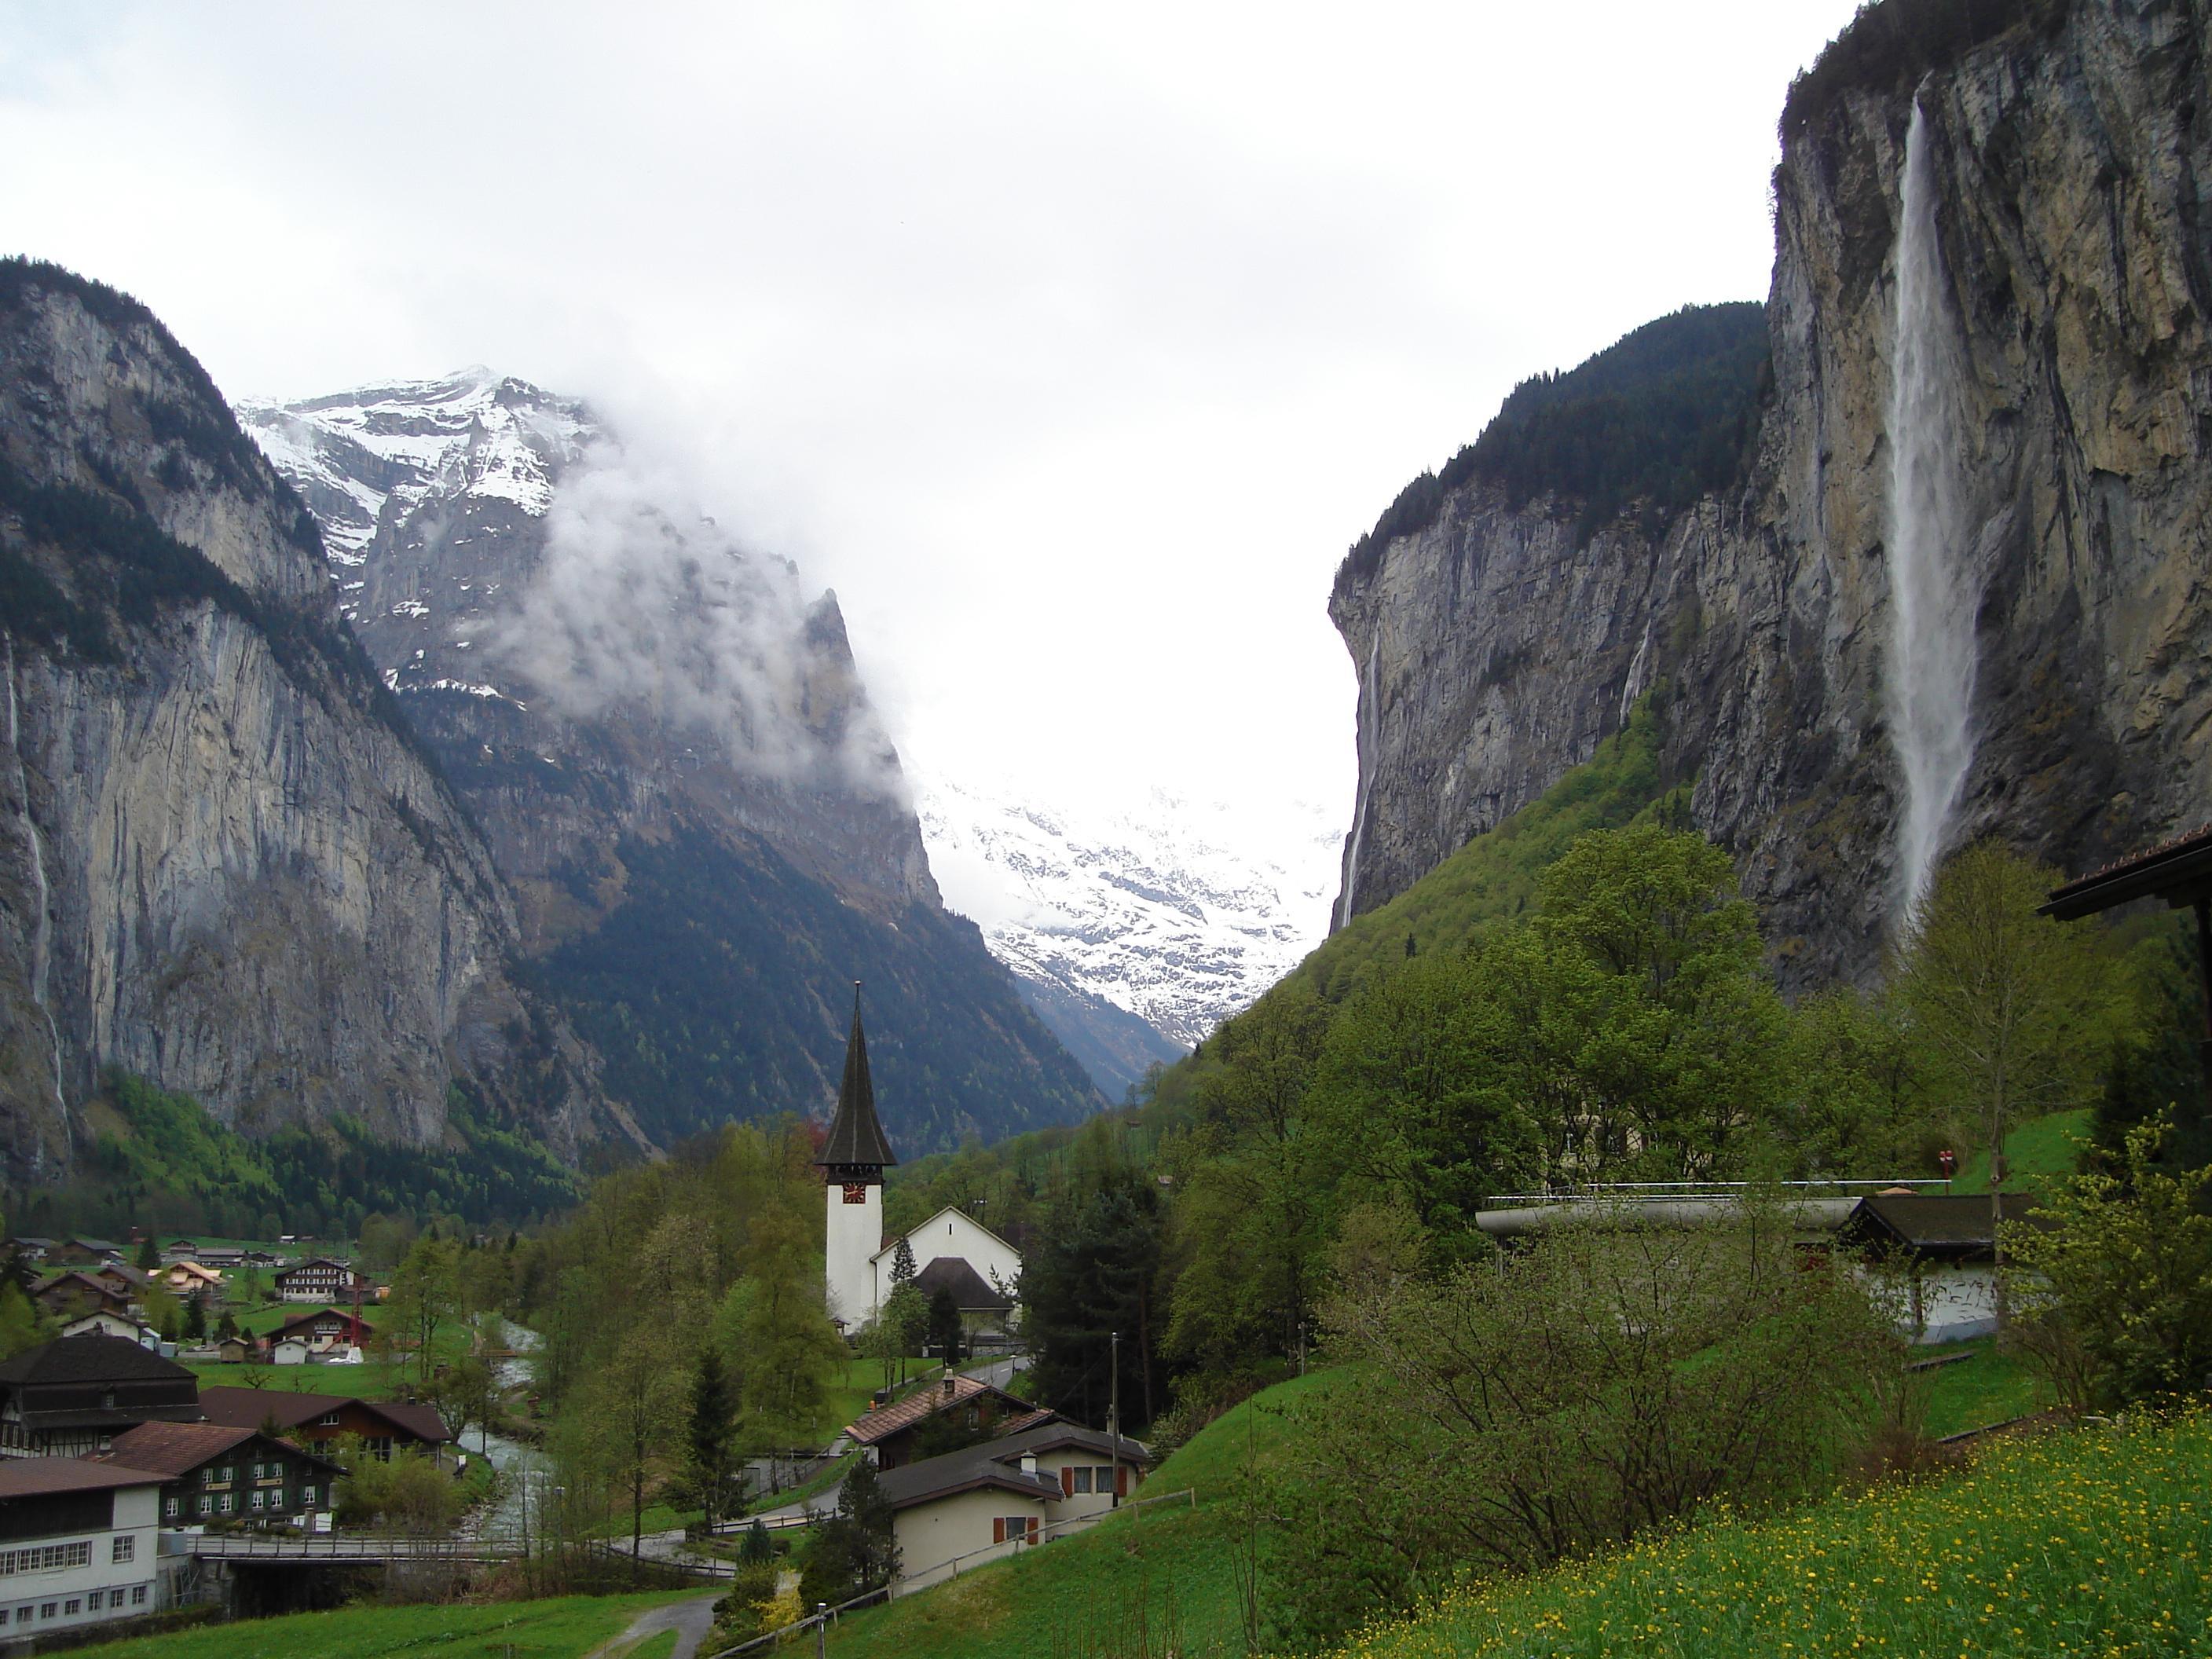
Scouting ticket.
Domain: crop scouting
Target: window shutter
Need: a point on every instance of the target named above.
(1068, 1480)
(998, 1529)
(1120, 1480)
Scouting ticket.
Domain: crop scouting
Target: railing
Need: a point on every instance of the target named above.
(812, 1621)
(352, 1547)
(1668, 1192)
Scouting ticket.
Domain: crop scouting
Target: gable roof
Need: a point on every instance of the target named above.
(89, 1359)
(856, 1136)
(1955, 1225)
(880, 1424)
(39, 1477)
(933, 1477)
(177, 1449)
(313, 1261)
(971, 1292)
(78, 1279)
(252, 1407)
(950, 1209)
(1056, 1435)
(312, 1315)
(2177, 870)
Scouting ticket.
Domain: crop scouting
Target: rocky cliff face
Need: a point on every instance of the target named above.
(2067, 155)
(222, 865)
(671, 750)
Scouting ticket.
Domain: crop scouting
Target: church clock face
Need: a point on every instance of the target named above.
(856, 1192)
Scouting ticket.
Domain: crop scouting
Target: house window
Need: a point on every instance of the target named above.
(329, 1420)
(229, 1502)
(1082, 1477)
(125, 1548)
(307, 1497)
(23, 1615)
(258, 1496)
(1104, 1474)
(207, 1504)
(1017, 1528)
(94, 1601)
(48, 1609)
(75, 1606)
(137, 1595)
(170, 1507)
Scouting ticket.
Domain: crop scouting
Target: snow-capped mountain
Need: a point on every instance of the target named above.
(1161, 908)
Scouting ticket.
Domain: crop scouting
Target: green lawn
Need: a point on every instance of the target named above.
(1173, 1562)
(1986, 1388)
(2092, 1540)
(371, 1380)
(562, 1627)
(2039, 1149)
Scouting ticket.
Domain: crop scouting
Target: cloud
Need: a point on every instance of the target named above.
(644, 605)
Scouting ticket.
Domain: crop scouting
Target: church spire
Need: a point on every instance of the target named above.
(856, 1137)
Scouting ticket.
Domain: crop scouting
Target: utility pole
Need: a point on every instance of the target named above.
(1114, 1420)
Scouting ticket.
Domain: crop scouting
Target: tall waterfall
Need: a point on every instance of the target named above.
(1370, 716)
(1931, 680)
(42, 926)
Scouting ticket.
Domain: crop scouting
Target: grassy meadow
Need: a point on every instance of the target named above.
(2089, 1540)
(561, 1627)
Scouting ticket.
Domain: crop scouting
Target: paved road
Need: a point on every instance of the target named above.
(690, 1619)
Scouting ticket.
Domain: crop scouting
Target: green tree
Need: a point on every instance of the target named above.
(627, 1428)
(854, 1551)
(2116, 1279)
(1090, 1277)
(425, 1298)
(716, 1475)
(149, 1254)
(2009, 1008)
(790, 1347)
(945, 1335)
(22, 1325)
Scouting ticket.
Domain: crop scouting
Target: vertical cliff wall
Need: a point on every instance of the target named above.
(221, 866)
(2069, 150)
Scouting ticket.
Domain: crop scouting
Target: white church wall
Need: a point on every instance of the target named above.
(856, 1233)
(951, 1232)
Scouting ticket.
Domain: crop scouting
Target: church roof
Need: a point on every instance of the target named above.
(855, 1135)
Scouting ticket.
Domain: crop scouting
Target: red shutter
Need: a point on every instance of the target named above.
(998, 1529)
(1068, 1480)
(1120, 1480)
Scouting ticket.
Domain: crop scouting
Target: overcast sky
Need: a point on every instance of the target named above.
(1071, 344)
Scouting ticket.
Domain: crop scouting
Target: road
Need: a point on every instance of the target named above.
(690, 1619)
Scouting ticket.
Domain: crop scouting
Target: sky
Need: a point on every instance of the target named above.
(1072, 345)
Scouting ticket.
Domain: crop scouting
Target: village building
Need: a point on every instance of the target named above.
(901, 1432)
(70, 1397)
(314, 1420)
(77, 1544)
(72, 1295)
(955, 1251)
(128, 1282)
(324, 1329)
(853, 1156)
(321, 1279)
(1939, 1250)
(110, 1324)
(218, 1473)
(190, 1279)
(953, 1513)
(83, 1253)
(30, 1249)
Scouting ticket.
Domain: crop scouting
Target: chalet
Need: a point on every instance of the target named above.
(73, 1295)
(324, 1329)
(84, 1252)
(221, 1257)
(108, 1324)
(959, 1510)
(897, 1433)
(1941, 1248)
(318, 1279)
(190, 1279)
(956, 1238)
(314, 1418)
(217, 1473)
(70, 1397)
(29, 1249)
(77, 1544)
(128, 1282)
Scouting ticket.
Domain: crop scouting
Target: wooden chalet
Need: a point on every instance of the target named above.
(70, 1397)
(218, 1473)
(311, 1419)
(324, 1329)
(76, 1294)
(959, 1404)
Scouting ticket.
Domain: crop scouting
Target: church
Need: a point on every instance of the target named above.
(951, 1249)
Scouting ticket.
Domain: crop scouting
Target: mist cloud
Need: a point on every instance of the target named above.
(643, 606)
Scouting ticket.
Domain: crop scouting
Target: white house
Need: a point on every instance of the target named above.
(112, 1324)
(321, 1279)
(955, 1513)
(1933, 1256)
(77, 1544)
(950, 1235)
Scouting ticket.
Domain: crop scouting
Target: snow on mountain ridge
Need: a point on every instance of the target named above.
(1144, 907)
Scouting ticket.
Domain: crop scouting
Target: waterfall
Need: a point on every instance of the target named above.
(42, 929)
(1371, 715)
(1930, 679)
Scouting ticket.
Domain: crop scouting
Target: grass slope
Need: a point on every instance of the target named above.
(1167, 1568)
(562, 1627)
(2039, 1149)
(2092, 1540)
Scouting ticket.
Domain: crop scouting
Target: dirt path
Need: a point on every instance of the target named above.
(689, 1618)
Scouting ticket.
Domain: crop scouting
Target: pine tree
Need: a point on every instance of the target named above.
(903, 1268)
(713, 1434)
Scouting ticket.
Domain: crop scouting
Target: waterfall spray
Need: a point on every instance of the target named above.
(1931, 680)
(42, 926)
(1371, 715)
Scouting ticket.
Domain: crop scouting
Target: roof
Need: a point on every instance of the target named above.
(1052, 1436)
(2177, 870)
(100, 1245)
(171, 1449)
(40, 1477)
(970, 1290)
(1957, 1225)
(856, 1136)
(313, 1314)
(89, 1359)
(933, 1477)
(882, 1423)
(77, 1278)
(252, 1407)
(950, 1209)
(313, 1261)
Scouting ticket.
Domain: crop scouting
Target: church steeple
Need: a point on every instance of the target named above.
(856, 1139)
